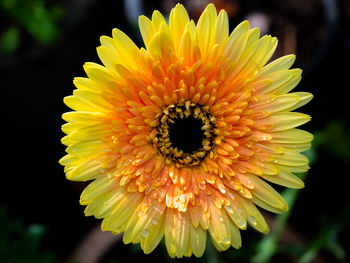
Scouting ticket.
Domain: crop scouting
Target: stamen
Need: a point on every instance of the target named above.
(185, 133)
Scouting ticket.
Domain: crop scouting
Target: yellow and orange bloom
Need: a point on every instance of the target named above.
(181, 136)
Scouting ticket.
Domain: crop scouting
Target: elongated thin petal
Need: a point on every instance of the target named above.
(285, 178)
(198, 240)
(154, 237)
(267, 194)
(178, 20)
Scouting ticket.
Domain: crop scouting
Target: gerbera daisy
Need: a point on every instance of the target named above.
(181, 136)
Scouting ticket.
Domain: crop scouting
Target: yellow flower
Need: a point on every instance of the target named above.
(178, 136)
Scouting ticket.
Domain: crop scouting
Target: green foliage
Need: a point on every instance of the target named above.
(9, 41)
(21, 244)
(326, 240)
(335, 139)
(34, 17)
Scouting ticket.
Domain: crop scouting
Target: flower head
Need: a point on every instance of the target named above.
(181, 136)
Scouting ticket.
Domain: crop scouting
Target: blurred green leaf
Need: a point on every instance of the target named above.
(8, 4)
(211, 252)
(21, 244)
(335, 139)
(337, 250)
(328, 240)
(39, 20)
(9, 41)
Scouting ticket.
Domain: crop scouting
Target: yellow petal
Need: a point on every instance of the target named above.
(178, 20)
(252, 214)
(177, 230)
(96, 101)
(205, 28)
(235, 42)
(87, 170)
(294, 169)
(274, 104)
(86, 148)
(145, 221)
(109, 43)
(219, 246)
(75, 104)
(185, 48)
(157, 19)
(233, 211)
(126, 48)
(70, 127)
(104, 205)
(282, 82)
(267, 194)
(221, 29)
(219, 227)
(298, 147)
(84, 83)
(149, 28)
(99, 186)
(291, 158)
(155, 236)
(99, 74)
(285, 178)
(292, 83)
(198, 240)
(93, 132)
(279, 64)
(305, 97)
(265, 205)
(267, 168)
(264, 50)
(236, 240)
(293, 136)
(67, 141)
(287, 120)
(84, 117)
(146, 29)
(161, 46)
(70, 161)
(108, 57)
(117, 220)
(245, 56)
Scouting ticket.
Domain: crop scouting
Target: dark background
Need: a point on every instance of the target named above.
(36, 76)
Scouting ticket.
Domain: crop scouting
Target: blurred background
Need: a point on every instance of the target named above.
(44, 44)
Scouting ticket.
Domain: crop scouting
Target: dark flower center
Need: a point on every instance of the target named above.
(185, 133)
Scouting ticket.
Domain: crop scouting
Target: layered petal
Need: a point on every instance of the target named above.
(181, 137)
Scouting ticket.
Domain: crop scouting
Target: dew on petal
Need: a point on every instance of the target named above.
(145, 233)
(252, 220)
(241, 223)
(226, 240)
(229, 209)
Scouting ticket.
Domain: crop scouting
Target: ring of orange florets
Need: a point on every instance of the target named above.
(162, 141)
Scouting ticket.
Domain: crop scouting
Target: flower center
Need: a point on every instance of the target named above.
(185, 133)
